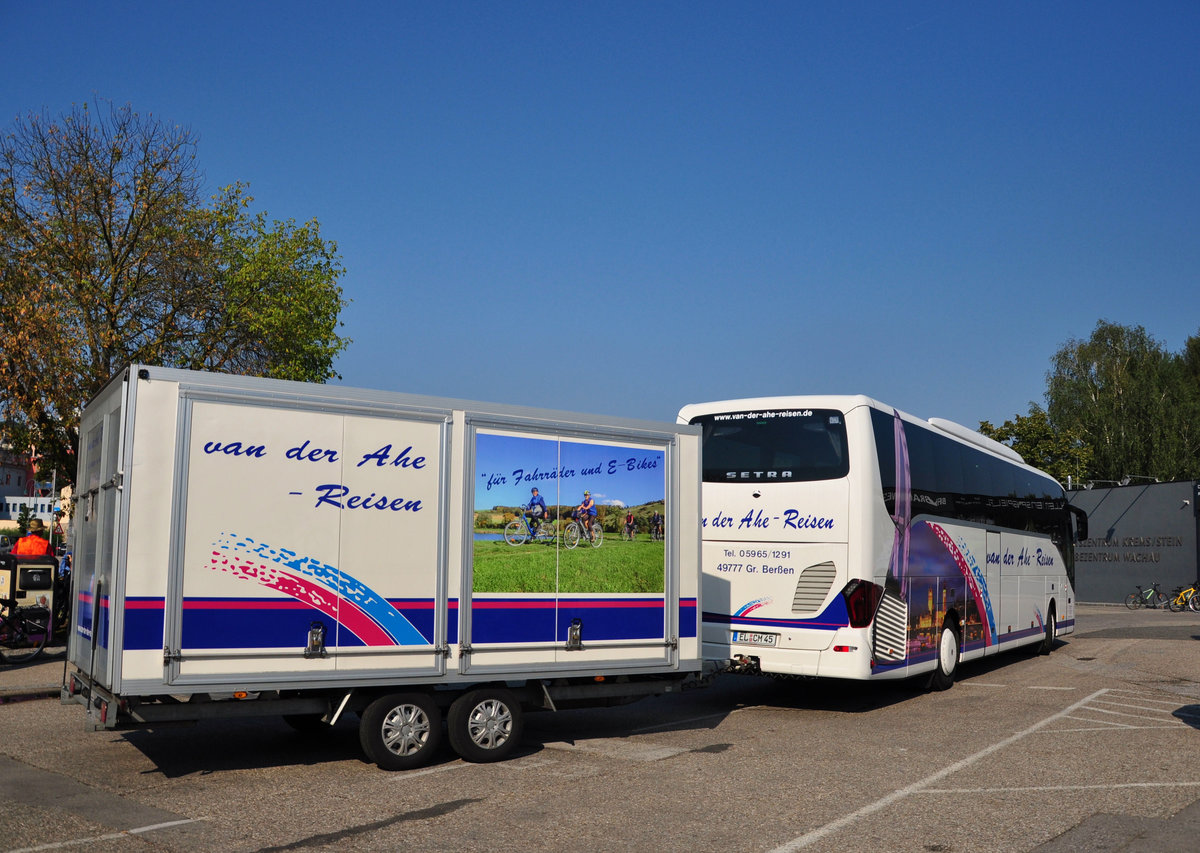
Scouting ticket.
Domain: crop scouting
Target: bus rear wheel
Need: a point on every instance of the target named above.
(1047, 644)
(948, 654)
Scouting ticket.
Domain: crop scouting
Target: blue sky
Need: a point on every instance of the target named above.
(509, 467)
(920, 201)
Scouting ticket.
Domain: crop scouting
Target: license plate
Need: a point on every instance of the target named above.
(754, 638)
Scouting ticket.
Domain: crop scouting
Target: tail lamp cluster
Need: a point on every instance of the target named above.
(862, 599)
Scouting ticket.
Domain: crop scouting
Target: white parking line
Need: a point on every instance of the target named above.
(1110, 724)
(624, 750)
(1007, 686)
(1097, 709)
(1115, 695)
(1018, 790)
(441, 768)
(917, 787)
(125, 833)
(1107, 726)
(1167, 706)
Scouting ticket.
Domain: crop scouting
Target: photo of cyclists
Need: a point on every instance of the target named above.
(554, 515)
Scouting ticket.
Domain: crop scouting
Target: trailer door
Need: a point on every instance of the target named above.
(562, 599)
(305, 540)
(95, 529)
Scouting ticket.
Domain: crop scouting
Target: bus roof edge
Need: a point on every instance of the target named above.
(978, 439)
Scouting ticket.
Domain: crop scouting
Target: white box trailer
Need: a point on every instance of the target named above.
(248, 546)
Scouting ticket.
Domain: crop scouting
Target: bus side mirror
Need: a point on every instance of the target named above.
(1081, 522)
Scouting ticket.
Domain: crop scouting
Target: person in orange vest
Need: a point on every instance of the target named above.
(33, 544)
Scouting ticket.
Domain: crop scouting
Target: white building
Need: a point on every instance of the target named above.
(43, 508)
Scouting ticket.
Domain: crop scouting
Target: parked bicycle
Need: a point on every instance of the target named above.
(1184, 598)
(577, 530)
(23, 631)
(522, 530)
(1151, 596)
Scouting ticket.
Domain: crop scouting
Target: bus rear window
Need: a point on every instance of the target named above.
(774, 446)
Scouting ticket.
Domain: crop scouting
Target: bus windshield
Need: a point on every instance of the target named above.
(774, 445)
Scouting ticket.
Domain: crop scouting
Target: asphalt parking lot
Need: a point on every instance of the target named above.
(1094, 747)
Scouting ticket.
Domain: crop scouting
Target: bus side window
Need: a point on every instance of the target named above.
(885, 449)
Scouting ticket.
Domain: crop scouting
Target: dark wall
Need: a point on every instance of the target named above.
(1136, 535)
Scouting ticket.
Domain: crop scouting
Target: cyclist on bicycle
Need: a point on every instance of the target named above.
(586, 512)
(536, 509)
(629, 523)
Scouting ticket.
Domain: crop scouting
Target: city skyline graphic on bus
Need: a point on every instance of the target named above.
(509, 466)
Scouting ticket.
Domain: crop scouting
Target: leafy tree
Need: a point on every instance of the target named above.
(1131, 401)
(276, 313)
(108, 256)
(1190, 363)
(1063, 454)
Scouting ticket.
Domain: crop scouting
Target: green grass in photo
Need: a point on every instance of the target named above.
(616, 566)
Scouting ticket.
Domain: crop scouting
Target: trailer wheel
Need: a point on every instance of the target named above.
(485, 724)
(401, 731)
(942, 677)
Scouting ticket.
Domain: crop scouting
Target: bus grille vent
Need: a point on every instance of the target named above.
(891, 629)
(813, 587)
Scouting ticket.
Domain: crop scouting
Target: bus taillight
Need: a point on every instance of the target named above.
(862, 597)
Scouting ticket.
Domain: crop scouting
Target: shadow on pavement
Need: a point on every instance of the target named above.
(1189, 714)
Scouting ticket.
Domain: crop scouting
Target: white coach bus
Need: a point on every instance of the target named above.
(845, 539)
